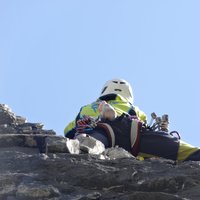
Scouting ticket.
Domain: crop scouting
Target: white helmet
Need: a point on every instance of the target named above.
(118, 86)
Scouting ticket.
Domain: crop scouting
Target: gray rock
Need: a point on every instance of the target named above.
(73, 146)
(36, 190)
(36, 165)
(90, 145)
(116, 153)
(8, 129)
(15, 124)
(20, 120)
(27, 174)
(6, 115)
(56, 144)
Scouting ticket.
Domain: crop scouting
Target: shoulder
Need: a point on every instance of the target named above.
(141, 115)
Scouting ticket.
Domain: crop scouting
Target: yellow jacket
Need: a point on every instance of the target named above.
(120, 104)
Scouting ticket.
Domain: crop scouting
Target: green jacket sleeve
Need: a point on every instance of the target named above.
(90, 110)
(69, 130)
(140, 114)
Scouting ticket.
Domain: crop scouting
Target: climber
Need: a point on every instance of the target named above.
(114, 120)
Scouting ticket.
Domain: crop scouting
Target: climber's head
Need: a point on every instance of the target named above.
(118, 86)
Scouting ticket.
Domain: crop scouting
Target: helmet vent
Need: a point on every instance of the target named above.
(122, 82)
(115, 81)
(118, 90)
(104, 89)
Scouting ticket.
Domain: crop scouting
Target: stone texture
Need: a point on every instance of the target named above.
(73, 146)
(37, 165)
(27, 174)
(90, 145)
(36, 190)
(6, 115)
(56, 144)
(116, 153)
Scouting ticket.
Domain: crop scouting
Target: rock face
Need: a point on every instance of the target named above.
(35, 165)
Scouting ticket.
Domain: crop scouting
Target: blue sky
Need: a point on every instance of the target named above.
(55, 56)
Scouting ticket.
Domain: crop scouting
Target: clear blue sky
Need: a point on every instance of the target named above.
(55, 56)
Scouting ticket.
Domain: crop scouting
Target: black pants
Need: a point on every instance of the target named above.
(150, 143)
(162, 144)
(159, 144)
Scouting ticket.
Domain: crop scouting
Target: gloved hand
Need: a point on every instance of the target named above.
(107, 111)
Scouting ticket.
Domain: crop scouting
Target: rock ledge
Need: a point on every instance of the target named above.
(35, 164)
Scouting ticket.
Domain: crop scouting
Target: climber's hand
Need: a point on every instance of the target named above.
(107, 111)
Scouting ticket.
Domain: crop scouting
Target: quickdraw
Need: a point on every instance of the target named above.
(86, 124)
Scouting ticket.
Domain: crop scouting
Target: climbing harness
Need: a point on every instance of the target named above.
(161, 124)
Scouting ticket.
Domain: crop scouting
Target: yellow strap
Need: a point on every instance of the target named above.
(185, 150)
